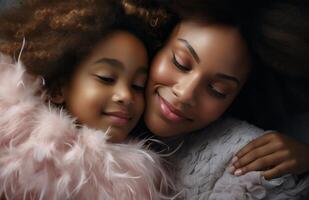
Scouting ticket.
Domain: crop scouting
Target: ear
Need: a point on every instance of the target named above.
(57, 93)
(57, 98)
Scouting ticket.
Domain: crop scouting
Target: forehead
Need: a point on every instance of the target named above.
(216, 45)
(123, 46)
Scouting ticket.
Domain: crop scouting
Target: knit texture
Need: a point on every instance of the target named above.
(202, 163)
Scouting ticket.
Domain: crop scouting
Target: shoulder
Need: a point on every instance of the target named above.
(229, 132)
(79, 158)
(226, 136)
(235, 126)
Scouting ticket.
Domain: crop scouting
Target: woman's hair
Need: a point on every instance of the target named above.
(277, 31)
(279, 37)
(279, 34)
(59, 34)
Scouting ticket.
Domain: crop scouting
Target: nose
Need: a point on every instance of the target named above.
(123, 95)
(185, 89)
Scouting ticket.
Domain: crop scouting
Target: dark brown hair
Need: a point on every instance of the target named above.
(59, 34)
(279, 34)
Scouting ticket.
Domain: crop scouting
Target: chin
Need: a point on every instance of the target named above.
(156, 125)
(117, 136)
(158, 131)
(158, 128)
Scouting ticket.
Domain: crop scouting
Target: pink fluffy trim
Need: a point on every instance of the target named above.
(43, 155)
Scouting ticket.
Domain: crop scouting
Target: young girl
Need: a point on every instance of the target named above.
(92, 61)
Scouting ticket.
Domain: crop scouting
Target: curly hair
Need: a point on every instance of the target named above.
(59, 34)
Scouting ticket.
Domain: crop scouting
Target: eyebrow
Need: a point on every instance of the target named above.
(228, 77)
(111, 62)
(118, 64)
(192, 51)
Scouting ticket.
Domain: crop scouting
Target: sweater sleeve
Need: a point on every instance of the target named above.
(252, 186)
(205, 158)
(246, 187)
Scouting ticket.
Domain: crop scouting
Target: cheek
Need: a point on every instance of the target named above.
(87, 97)
(93, 95)
(161, 71)
(139, 105)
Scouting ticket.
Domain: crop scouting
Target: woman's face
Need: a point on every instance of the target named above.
(107, 89)
(195, 78)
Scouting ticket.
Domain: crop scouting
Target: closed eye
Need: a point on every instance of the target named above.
(178, 65)
(106, 79)
(216, 93)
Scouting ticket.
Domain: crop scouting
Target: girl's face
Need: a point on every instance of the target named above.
(195, 78)
(107, 89)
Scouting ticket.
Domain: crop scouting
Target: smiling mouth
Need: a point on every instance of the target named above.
(170, 112)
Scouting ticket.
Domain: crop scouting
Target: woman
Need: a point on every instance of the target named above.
(193, 81)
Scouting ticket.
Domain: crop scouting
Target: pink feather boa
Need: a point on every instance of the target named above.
(43, 155)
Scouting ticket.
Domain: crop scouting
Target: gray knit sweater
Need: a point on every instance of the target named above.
(202, 161)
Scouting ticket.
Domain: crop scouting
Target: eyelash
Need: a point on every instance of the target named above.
(110, 81)
(106, 80)
(178, 65)
(215, 93)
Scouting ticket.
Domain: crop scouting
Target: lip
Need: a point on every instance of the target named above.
(118, 117)
(170, 112)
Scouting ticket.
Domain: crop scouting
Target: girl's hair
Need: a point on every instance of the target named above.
(155, 13)
(59, 34)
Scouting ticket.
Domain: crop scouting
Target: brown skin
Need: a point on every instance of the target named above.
(107, 88)
(273, 153)
(189, 89)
